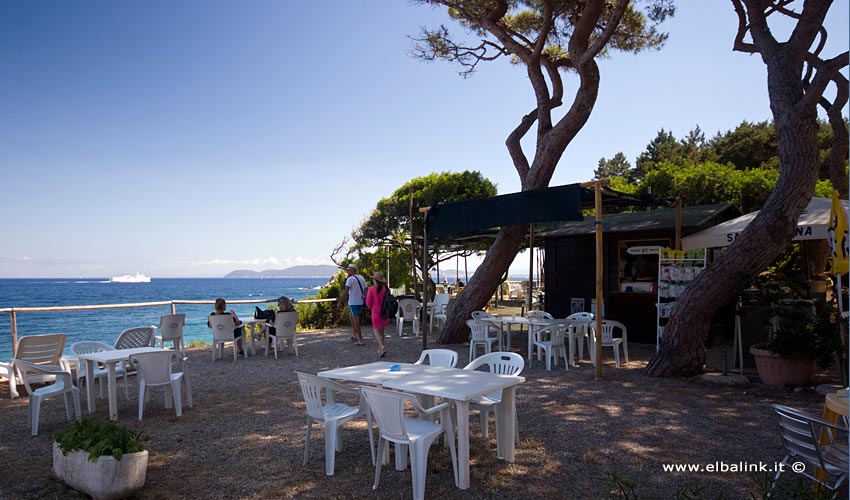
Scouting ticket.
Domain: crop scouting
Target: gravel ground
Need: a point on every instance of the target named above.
(244, 438)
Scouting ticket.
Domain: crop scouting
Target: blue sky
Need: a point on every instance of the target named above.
(191, 138)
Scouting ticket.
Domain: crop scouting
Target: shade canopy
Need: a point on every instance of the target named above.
(812, 225)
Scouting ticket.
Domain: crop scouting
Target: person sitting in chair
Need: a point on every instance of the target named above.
(220, 308)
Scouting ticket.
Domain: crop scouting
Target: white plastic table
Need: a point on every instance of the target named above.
(462, 386)
(459, 386)
(110, 359)
(250, 326)
(501, 321)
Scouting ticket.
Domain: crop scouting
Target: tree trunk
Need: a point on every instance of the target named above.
(486, 279)
(681, 352)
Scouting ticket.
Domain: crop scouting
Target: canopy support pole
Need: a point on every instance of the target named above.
(597, 188)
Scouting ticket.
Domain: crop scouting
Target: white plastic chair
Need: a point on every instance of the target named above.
(171, 330)
(608, 340)
(485, 316)
(538, 315)
(222, 326)
(438, 310)
(408, 310)
(42, 350)
(100, 374)
(284, 325)
(801, 434)
(132, 338)
(554, 346)
(582, 330)
(417, 435)
(330, 414)
(7, 371)
(154, 369)
(438, 357)
(500, 363)
(480, 335)
(63, 385)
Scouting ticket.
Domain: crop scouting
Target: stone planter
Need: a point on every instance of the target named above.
(105, 479)
(778, 371)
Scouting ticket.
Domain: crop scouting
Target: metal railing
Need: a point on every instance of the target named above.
(13, 311)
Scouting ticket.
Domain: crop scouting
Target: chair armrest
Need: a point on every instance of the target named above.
(46, 369)
(336, 387)
(809, 416)
(433, 409)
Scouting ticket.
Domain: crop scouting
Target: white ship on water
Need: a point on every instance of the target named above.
(129, 278)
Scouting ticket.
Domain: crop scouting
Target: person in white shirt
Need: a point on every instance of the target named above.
(355, 292)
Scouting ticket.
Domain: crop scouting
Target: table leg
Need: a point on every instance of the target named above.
(530, 342)
(90, 385)
(462, 412)
(110, 385)
(506, 422)
(571, 338)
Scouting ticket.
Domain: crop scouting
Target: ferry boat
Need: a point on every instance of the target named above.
(129, 278)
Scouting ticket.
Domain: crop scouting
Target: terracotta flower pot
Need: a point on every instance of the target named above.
(780, 371)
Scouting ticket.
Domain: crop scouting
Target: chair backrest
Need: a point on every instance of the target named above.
(88, 346)
(581, 315)
(132, 338)
(41, 349)
(558, 333)
(608, 327)
(171, 326)
(388, 409)
(438, 357)
(285, 323)
(538, 315)
(500, 363)
(580, 324)
(799, 435)
(312, 387)
(407, 308)
(441, 300)
(479, 329)
(222, 326)
(479, 315)
(154, 367)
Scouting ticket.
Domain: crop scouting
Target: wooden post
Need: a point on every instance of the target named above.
(528, 298)
(597, 187)
(678, 209)
(412, 247)
(424, 313)
(14, 321)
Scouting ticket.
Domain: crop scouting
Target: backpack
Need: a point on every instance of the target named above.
(389, 306)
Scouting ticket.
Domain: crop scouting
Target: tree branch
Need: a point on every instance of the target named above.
(824, 75)
(610, 29)
(515, 147)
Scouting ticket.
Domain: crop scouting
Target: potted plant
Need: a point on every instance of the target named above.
(803, 332)
(103, 459)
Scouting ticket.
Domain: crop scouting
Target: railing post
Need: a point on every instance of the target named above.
(14, 322)
(173, 309)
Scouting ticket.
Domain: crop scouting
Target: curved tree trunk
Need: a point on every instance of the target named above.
(480, 288)
(795, 116)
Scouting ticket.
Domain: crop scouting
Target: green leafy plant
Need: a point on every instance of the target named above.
(806, 327)
(99, 438)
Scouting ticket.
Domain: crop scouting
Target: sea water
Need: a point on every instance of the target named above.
(104, 325)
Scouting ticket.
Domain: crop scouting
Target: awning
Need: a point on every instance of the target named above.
(812, 225)
(482, 216)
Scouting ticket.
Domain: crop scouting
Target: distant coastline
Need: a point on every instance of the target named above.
(316, 271)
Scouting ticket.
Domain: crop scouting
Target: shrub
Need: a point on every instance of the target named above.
(99, 438)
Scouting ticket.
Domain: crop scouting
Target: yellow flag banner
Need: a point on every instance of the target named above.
(839, 244)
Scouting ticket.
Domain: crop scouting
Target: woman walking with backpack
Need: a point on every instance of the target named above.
(374, 301)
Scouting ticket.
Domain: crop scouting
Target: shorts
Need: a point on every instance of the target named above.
(355, 310)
